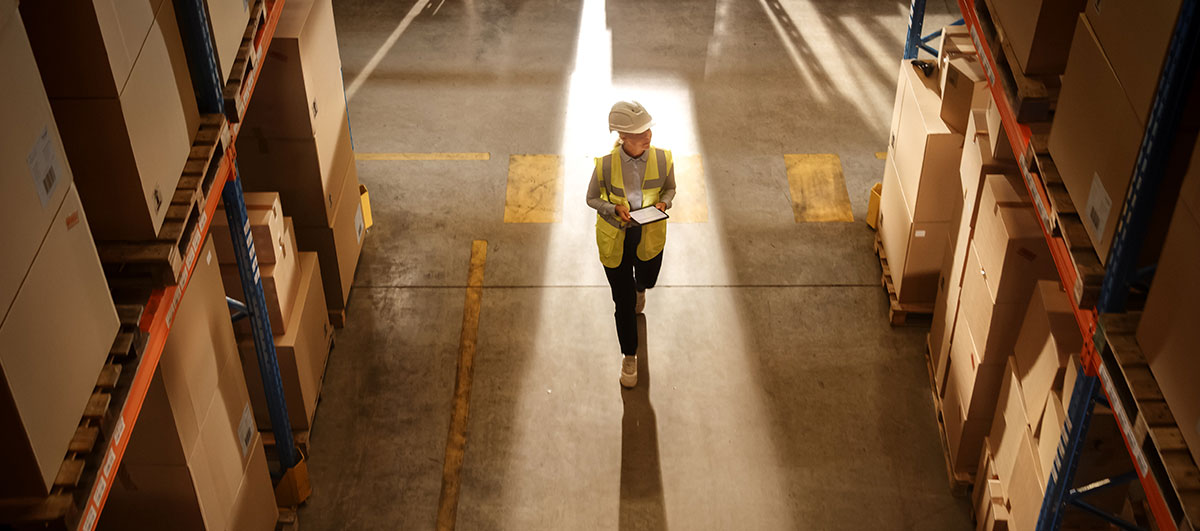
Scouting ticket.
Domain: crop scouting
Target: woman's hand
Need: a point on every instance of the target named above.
(661, 206)
(623, 212)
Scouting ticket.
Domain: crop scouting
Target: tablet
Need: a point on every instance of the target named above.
(648, 215)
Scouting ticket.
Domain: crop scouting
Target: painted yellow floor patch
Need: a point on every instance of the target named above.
(534, 192)
(423, 156)
(818, 188)
(881, 155)
(691, 192)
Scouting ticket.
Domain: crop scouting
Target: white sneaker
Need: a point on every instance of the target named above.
(641, 302)
(629, 371)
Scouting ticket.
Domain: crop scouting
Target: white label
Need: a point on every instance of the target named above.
(118, 431)
(246, 430)
(44, 166)
(101, 486)
(359, 225)
(109, 461)
(89, 523)
(1099, 206)
(919, 234)
(208, 258)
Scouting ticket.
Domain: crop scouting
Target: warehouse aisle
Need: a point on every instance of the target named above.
(773, 393)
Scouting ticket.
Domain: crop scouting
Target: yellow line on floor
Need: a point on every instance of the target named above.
(534, 193)
(456, 441)
(423, 156)
(818, 188)
(691, 199)
(881, 155)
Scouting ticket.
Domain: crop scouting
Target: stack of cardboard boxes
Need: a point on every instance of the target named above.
(195, 459)
(1108, 87)
(296, 308)
(57, 320)
(1022, 442)
(1038, 32)
(1168, 322)
(121, 92)
(296, 141)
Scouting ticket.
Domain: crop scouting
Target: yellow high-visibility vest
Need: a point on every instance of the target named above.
(610, 231)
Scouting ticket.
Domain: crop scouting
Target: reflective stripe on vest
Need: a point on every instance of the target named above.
(610, 230)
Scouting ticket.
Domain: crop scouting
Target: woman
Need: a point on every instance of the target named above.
(635, 175)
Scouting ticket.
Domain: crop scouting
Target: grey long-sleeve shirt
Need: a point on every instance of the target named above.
(633, 170)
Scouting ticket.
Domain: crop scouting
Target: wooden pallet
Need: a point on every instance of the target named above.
(337, 318)
(249, 58)
(900, 314)
(63, 507)
(960, 484)
(1033, 98)
(159, 262)
(1145, 416)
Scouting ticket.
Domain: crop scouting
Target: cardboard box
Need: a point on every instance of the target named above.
(1010, 427)
(1027, 486)
(925, 151)
(307, 173)
(339, 244)
(265, 214)
(1094, 138)
(228, 19)
(1135, 36)
(1050, 431)
(1070, 375)
(1012, 249)
(1167, 329)
(128, 120)
(964, 88)
(182, 497)
(200, 347)
(994, 326)
(1048, 338)
(945, 311)
(65, 290)
(301, 352)
(34, 173)
(300, 92)
(280, 282)
(1001, 147)
(969, 402)
(1039, 31)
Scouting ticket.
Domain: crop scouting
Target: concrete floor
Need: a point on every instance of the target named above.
(773, 396)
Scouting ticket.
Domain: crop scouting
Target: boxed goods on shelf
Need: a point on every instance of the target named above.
(228, 19)
(1134, 37)
(55, 336)
(1039, 31)
(265, 214)
(1167, 330)
(34, 173)
(301, 352)
(195, 460)
(969, 401)
(1095, 138)
(998, 142)
(122, 95)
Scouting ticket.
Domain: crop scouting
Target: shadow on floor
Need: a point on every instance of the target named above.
(642, 506)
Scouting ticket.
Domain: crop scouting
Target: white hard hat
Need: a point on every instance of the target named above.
(629, 117)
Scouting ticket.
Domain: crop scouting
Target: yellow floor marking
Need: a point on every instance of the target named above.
(691, 195)
(818, 188)
(423, 156)
(881, 155)
(534, 192)
(456, 442)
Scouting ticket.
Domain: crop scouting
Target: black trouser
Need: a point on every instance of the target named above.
(626, 280)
